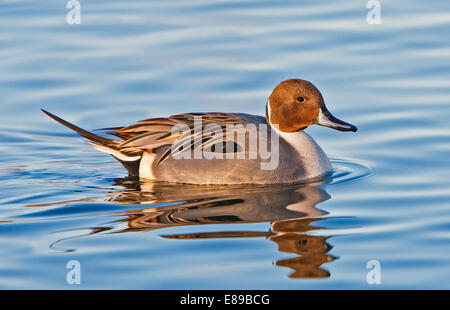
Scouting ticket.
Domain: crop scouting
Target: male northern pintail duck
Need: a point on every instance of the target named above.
(227, 148)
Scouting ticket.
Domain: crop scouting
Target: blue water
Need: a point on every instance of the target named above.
(388, 200)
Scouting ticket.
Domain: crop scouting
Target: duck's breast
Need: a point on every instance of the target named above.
(309, 153)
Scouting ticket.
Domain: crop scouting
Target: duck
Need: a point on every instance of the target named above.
(226, 148)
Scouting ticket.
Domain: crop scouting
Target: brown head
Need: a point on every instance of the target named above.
(296, 104)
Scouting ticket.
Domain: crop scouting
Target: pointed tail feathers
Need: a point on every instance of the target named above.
(102, 144)
(84, 133)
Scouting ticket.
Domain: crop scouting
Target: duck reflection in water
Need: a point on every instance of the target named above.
(291, 209)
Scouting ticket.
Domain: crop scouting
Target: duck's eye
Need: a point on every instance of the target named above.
(300, 99)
